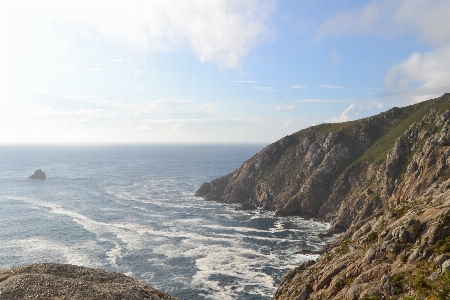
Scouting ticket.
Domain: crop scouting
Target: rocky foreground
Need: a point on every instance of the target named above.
(57, 281)
(384, 185)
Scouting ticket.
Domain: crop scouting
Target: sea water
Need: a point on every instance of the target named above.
(132, 209)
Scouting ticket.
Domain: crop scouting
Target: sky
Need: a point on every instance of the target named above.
(217, 71)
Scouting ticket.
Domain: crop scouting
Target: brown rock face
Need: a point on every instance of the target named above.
(56, 281)
(382, 182)
(343, 173)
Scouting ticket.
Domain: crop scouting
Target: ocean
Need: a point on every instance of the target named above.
(131, 209)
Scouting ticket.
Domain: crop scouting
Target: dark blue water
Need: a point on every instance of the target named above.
(131, 209)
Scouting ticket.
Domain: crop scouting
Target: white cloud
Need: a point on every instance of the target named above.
(289, 107)
(347, 115)
(315, 100)
(266, 88)
(206, 107)
(245, 81)
(221, 31)
(428, 19)
(287, 123)
(430, 71)
(357, 111)
(329, 86)
(298, 86)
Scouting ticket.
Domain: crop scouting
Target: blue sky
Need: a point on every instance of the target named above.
(212, 71)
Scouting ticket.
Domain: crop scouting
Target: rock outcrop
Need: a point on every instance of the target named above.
(383, 184)
(38, 174)
(57, 281)
(402, 253)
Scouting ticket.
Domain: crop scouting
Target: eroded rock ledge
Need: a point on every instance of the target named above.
(62, 281)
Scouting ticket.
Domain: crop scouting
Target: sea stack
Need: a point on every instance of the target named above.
(38, 174)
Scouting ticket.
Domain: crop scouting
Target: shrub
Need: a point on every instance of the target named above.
(403, 258)
(397, 280)
(444, 294)
(372, 237)
(420, 283)
(371, 298)
(444, 248)
(445, 277)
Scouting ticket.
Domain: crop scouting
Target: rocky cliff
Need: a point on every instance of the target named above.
(381, 182)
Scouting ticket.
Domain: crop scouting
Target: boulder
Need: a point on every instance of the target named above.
(38, 174)
(62, 281)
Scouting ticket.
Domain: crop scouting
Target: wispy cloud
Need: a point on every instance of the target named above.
(345, 116)
(266, 88)
(287, 123)
(298, 86)
(390, 18)
(429, 70)
(314, 100)
(358, 110)
(245, 81)
(335, 58)
(289, 107)
(206, 108)
(329, 86)
(162, 121)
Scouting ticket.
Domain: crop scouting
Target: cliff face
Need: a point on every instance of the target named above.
(343, 173)
(383, 183)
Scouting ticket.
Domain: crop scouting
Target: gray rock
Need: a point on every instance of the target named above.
(61, 281)
(445, 265)
(370, 254)
(38, 174)
(434, 276)
(370, 292)
(400, 234)
(440, 259)
(392, 248)
(303, 294)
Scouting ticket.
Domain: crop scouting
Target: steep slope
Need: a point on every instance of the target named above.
(384, 184)
(345, 172)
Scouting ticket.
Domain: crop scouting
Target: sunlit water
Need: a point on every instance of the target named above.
(131, 209)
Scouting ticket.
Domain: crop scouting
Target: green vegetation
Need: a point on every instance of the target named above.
(444, 248)
(372, 237)
(444, 294)
(397, 280)
(344, 247)
(420, 284)
(445, 278)
(400, 211)
(443, 245)
(371, 298)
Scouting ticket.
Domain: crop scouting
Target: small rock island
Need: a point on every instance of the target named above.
(38, 174)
